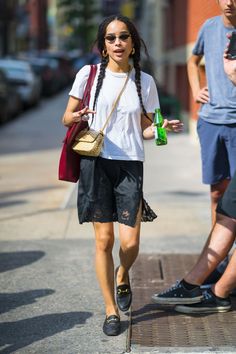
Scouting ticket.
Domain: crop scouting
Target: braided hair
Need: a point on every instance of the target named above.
(138, 43)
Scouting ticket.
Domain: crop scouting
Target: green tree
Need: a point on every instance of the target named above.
(79, 18)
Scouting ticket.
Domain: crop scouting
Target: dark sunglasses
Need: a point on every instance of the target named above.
(122, 37)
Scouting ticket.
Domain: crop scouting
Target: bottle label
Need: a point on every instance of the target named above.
(158, 119)
(156, 133)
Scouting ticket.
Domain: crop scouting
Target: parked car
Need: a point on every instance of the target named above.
(48, 71)
(21, 75)
(10, 101)
(64, 66)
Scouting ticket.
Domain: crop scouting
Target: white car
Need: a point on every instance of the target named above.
(21, 75)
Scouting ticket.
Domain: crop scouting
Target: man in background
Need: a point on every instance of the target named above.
(217, 115)
(187, 293)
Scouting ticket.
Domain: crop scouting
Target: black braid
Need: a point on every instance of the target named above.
(101, 76)
(138, 84)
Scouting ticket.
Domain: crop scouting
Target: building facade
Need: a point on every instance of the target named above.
(8, 26)
(23, 25)
(170, 28)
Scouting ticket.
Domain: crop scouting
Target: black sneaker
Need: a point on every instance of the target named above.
(111, 325)
(178, 294)
(210, 304)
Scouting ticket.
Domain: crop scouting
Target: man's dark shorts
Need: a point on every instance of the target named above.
(227, 204)
(218, 151)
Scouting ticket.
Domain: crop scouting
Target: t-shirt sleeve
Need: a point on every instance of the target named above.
(198, 48)
(79, 84)
(152, 100)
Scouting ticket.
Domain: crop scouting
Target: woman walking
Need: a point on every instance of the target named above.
(111, 185)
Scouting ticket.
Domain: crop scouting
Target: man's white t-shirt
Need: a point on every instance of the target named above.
(123, 134)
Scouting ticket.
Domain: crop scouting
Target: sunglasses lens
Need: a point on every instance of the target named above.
(110, 38)
(124, 37)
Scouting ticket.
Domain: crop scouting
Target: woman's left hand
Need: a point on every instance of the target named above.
(174, 125)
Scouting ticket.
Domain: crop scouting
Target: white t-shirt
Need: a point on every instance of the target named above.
(123, 134)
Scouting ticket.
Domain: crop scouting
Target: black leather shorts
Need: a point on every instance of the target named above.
(110, 190)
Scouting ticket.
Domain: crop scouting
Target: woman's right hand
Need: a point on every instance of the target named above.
(73, 115)
(81, 115)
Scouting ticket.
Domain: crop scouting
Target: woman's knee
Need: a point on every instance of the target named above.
(104, 242)
(130, 245)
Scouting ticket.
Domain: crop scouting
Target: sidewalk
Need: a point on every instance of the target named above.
(50, 301)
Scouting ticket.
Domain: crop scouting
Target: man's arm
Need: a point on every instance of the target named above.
(200, 95)
(230, 68)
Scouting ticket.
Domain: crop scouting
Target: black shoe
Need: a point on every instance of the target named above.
(123, 295)
(178, 294)
(210, 304)
(111, 325)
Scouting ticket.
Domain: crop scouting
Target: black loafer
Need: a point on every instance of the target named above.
(123, 296)
(111, 325)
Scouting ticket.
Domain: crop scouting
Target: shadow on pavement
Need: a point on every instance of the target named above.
(19, 334)
(13, 260)
(5, 203)
(36, 189)
(186, 193)
(11, 203)
(10, 301)
(151, 312)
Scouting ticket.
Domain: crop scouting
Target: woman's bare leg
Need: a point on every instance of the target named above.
(104, 234)
(129, 248)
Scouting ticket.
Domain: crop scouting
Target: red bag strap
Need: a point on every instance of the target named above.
(88, 87)
(73, 130)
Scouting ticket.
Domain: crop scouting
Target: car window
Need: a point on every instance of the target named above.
(16, 73)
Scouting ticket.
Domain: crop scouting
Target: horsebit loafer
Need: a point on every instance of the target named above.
(111, 325)
(123, 295)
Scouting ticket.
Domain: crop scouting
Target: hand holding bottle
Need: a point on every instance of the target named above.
(160, 131)
(161, 126)
(174, 125)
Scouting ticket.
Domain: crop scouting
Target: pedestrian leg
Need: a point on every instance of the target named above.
(104, 234)
(217, 247)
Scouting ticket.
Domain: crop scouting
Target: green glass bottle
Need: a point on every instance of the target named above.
(160, 133)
